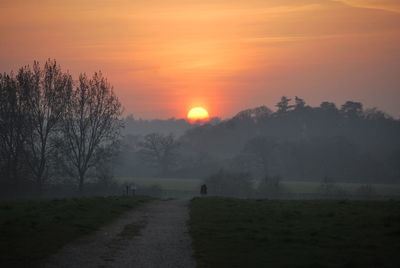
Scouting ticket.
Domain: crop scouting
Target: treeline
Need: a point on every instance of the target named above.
(177, 127)
(296, 141)
(52, 126)
(142, 127)
(300, 142)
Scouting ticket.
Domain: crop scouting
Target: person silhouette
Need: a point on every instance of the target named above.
(203, 189)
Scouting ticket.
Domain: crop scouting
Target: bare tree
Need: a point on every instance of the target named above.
(13, 132)
(47, 90)
(91, 125)
(160, 150)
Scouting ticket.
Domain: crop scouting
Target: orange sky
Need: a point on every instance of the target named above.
(165, 56)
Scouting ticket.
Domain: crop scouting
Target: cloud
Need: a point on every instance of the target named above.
(388, 5)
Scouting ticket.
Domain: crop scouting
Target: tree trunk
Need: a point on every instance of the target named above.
(81, 181)
(39, 187)
(15, 177)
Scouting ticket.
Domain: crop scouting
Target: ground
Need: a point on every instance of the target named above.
(31, 230)
(229, 232)
(224, 232)
(154, 235)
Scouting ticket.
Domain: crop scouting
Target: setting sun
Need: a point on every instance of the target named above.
(198, 114)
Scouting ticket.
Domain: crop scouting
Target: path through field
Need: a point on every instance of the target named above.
(153, 235)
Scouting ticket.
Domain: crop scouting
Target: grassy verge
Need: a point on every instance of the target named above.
(260, 233)
(31, 230)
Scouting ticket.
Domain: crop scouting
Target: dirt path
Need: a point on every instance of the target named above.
(154, 235)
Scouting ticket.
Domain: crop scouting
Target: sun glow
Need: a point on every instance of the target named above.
(198, 114)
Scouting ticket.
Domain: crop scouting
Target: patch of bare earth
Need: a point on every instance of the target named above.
(153, 235)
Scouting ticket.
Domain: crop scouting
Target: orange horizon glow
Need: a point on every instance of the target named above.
(163, 57)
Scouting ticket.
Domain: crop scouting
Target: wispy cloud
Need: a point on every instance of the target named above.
(388, 5)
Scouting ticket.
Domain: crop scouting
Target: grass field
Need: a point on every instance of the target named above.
(30, 230)
(312, 187)
(192, 186)
(260, 233)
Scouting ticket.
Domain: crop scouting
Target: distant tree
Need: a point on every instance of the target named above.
(159, 150)
(214, 121)
(47, 90)
(259, 150)
(375, 114)
(352, 109)
(299, 103)
(196, 164)
(284, 106)
(91, 125)
(254, 113)
(328, 106)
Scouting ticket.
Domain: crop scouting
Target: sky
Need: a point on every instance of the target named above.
(165, 56)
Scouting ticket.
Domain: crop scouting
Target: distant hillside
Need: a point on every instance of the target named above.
(301, 141)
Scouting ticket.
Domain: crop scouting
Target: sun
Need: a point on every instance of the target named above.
(198, 114)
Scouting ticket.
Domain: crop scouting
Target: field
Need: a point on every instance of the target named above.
(312, 187)
(307, 233)
(180, 187)
(33, 229)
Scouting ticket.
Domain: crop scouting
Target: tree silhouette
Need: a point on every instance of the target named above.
(159, 150)
(91, 125)
(284, 106)
(328, 106)
(46, 90)
(13, 131)
(300, 104)
(352, 109)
